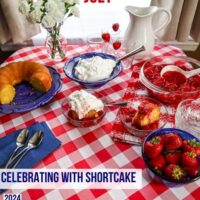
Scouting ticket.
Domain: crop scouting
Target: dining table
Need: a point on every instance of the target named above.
(92, 147)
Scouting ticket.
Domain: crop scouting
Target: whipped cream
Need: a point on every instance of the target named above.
(82, 102)
(94, 69)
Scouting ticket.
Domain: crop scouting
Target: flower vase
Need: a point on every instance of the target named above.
(56, 44)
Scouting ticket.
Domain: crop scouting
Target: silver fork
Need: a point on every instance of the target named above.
(33, 142)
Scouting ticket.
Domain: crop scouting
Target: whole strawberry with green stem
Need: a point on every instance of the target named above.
(158, 163)
(154, 147)
(189, 159)
(173, 157)
(191, 145)
(191, 171)
(174, 172)
(172, 141)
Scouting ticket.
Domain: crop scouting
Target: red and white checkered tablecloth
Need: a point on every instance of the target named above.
(88, 147)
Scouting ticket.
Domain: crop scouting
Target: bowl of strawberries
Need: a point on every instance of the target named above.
(172, 156)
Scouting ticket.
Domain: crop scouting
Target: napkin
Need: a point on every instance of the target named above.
(34, 156)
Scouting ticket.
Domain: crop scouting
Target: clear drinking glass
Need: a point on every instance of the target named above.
(95, 42)
(188, 116)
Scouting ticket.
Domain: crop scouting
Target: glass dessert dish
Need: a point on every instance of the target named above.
(160, 176)
(81, 111)
(170, 92)
(143, 115)
(188, 116)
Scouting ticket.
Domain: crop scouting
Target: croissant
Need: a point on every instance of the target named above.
(14, 73)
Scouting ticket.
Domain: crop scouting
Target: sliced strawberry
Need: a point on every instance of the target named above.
(173, 157)
(174, 172)
(191, 171)
(189, 159)
(158, 163)
(172, 141)
(115, 27)
(128, 119)
(154, 147)
(191, 145)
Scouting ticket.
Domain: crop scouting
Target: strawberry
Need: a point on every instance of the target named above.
(128, 113)
(106, 37)
(188, 159)
(191, 171)
(174, 172)
(191, 145)
(158, 163)
(117, 44)
(154, 147)
(115, 27)
(172, 141)
(173, 157)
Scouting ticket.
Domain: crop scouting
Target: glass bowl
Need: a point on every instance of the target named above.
(69, 69)
(161, 178)
(83, 123)
(187, 116)
(165, 92)
(126, 114)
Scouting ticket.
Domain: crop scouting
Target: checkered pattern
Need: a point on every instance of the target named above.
(90, 147)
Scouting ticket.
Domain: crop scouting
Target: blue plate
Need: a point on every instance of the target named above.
(27, 98)
(161, 177)
(70, 67)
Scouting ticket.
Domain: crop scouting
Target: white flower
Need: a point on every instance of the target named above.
(55, 10)
(24, 7)
(61, 7)
(58, 16)
(48, 21)
(71, 2)
(51, 6)
(36, 15)
(76, 1)
(38, 3)
(75, 11)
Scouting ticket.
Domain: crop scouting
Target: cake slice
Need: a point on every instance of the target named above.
(84, 105)
(146, 115)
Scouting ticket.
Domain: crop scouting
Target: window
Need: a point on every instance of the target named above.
(94, 17)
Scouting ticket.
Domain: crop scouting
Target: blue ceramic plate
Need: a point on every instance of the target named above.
(27, 98)
(70, 67)
(162, 178)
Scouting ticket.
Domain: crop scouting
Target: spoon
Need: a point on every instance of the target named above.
(20, 142)
(183, 75)
(131, 53)
(33, 142)
(120, 104)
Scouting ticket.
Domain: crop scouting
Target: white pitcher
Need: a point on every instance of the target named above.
(140, 31)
